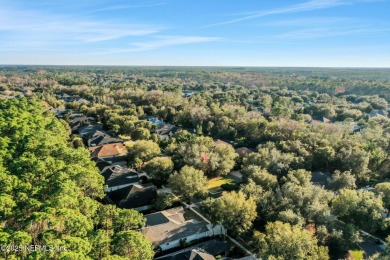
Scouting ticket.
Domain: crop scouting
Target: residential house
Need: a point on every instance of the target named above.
(139, 197)
(220, 142)
(118, 177)
(77, 119)
(357, 129)
(80, 121)
(187, 94)
(87, 131)
(243, 151)
(321, 178)
(59, 111)
(169, 229)
(63, 96)
(376, 113)
(103, 163)
(103, 139)
(75, 114)
(193, 254)
(108, 151)
(155, 121)
(167, 130)
(83, 101)
(205, 251)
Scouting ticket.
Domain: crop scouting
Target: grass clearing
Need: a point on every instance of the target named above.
(356, 254)
(218, 181)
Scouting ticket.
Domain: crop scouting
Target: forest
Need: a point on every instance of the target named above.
(302, 156)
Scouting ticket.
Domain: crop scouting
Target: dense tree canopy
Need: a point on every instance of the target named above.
(49, 190)
(285, 241)
(296, 122)
(362, 208)
(234, 211)
(188, 182)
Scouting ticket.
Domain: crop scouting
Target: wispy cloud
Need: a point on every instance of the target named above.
(161, 42)
(124, 7)
(59, 28)
(309, 21)
(302, 7)
(329, 32)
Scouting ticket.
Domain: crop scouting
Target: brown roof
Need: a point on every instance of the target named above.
(243, 151)
(108, 150)
(220, 142)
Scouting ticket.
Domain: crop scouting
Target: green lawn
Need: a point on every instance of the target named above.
(357, 254)
(218, 181)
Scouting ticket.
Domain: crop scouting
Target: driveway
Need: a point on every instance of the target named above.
(370, 247)
(236, 176)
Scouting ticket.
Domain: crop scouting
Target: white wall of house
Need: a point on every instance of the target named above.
(143, 208)
(215, 230)
(119, 186)
(176, 243)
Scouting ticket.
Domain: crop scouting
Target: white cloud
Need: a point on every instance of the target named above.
(329, 32)
(28, 25)
(161, 42)
(123, 7)
(302, 7)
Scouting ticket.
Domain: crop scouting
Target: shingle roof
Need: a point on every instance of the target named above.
(78, 119)
(116, 175)
(139, 196)
(167, 129)
(157, 218)
(103, 139)
(176, 228)
(107, 150)
(220, 142)
(206, 249)
(243, 151)
(88, 129)
(101, 163)
(320, 178)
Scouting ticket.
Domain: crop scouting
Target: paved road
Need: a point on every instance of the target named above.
(370, 247)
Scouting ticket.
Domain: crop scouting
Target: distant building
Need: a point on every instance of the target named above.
(220, 142)
(187, 94)
(167, 130)
(89, 131)
(243, 151)
(155, 121)
(79, 121)
(103, 139)
(376, 113)
(320, 178)
(357, 129)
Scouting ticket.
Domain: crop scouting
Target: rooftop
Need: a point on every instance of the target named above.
(170, 225)
(220, 142)
(107, 150)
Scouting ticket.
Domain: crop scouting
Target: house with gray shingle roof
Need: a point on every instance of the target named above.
(169, 229)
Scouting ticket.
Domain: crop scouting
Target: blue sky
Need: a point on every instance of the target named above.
(320, 33)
